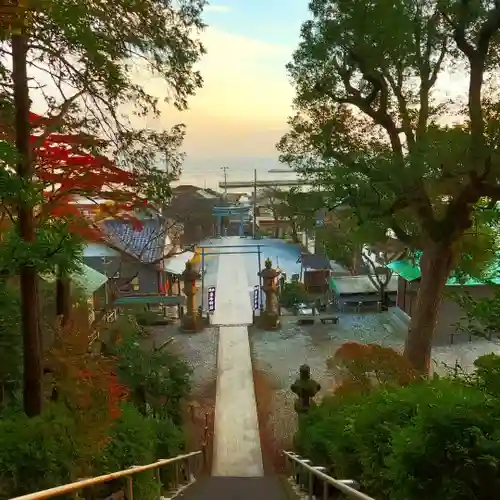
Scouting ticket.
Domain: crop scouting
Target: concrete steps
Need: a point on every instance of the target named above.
(236, 488)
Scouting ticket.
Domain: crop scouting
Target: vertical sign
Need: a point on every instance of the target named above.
(256, 297)
(211, 299)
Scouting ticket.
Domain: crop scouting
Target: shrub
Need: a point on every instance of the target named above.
(362, 367)
(451, 449)
(132, 441)
(431, 439)
(139, 440)
(37, 453)
(293, 293)
(156, 378)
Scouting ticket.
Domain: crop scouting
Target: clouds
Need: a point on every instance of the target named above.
(217, 8)
(246, 98)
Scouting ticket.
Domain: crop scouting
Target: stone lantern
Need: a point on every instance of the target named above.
(269, 317)
(191, 321)
(305, 388)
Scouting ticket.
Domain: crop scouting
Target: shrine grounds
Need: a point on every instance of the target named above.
(277, 356)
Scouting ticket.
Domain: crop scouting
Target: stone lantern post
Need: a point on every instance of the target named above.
(191, 321)
(305, 388)
(269, 318)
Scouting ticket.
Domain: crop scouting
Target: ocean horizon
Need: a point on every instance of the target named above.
(208, 172)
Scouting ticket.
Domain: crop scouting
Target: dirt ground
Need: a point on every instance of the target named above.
(271, 445)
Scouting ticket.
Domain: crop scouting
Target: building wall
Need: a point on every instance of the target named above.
(450, 312)
(367, 298)
(148, 275)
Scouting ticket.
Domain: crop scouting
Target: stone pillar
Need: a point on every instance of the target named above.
(305, 388)
(191, 321)
(269, 317)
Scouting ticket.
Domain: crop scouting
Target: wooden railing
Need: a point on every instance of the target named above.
(308, 477)
(190, 463)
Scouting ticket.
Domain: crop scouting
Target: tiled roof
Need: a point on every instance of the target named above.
(145, 244)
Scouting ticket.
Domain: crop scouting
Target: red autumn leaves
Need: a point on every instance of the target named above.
(67, 167)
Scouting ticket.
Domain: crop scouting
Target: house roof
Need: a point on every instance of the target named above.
(177, 263)
(99, 250)
(146, 244)
(357, 285)
(411, 272)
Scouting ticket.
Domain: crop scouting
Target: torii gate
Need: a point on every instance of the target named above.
(241, 211)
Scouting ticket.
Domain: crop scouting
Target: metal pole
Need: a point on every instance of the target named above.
(260, 277)
(224, 169)
(254, 202)
(202, 277)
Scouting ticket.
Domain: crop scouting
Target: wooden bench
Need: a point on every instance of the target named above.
(329, 319)
(306, 320)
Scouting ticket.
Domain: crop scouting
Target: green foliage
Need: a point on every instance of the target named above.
(132, 442)
(54, 449)
(432, 439)
(487, 374)
(481, 316)
(11, 349)
(367, 126)
(156, 378)
(54, 246)
(105, 54)
(37, 453)
(139, 440)
(293, 293)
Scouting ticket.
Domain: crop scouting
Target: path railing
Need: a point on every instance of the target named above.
(184, 465)
(308, 477)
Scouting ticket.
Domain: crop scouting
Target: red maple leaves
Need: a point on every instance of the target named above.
(67, 165)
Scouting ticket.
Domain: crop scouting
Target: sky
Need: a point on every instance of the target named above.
(240, 113)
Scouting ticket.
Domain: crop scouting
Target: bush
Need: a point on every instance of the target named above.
(37, 453)
(157, 379)
(139, 440)
(293, 293)
(437, 439)
(132, 441)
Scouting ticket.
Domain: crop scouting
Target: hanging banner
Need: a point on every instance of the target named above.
(211, 299)
(256, 297)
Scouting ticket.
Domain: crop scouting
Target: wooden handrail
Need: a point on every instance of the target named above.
(93, 481)
(345, 486)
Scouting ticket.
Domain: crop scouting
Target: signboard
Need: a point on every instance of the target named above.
(256, 297)
(211, 299)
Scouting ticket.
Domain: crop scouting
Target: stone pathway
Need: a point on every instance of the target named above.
(237, 451)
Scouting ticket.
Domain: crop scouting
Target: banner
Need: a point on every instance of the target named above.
(211, 299)
(256, 297)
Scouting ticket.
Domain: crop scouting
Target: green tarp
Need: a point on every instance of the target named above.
(411, 272)
(88, 280)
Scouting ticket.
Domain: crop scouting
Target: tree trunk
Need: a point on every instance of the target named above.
(435, 264)
(63, 298)
(383, 297)
(357, 260)
(32, 375)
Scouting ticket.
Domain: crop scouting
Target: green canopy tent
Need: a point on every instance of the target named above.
(88, 280)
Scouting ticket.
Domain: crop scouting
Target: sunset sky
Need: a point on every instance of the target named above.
(240, 114)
